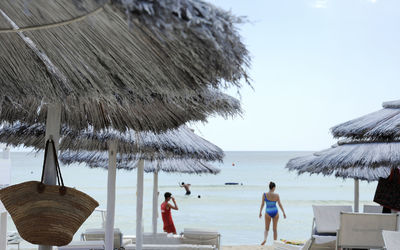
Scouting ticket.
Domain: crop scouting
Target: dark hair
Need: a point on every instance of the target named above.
(271, 185)
(167, 195)
(183, 183)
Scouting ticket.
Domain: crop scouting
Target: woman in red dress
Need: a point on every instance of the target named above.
(169, 226)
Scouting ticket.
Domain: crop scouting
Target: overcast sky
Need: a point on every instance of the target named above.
(315, 63)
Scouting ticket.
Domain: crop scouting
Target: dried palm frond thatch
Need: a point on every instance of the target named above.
(177, 143)
(365, 161)
(97, 48)
(383, 124)
(186, 166)
(159, 114)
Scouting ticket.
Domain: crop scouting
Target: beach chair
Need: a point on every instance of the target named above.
(98, 234)
(391, 240)
(171, 247)
(358, 230)
(372, 209)
(84, 245)
(13, 238)
(325, 224)
(152, 239)
(198, 236)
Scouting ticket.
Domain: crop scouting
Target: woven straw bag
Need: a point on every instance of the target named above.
(47, 214)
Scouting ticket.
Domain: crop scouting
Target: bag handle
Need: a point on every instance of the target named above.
(60, 180)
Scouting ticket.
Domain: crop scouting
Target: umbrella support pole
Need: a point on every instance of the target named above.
(155, 201)
(3, 230)
(53, 126)
(111, 179)
(139, 206)
(5, 172)
(356, 195)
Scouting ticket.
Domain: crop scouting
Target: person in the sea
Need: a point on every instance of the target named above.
(271, 211)
(166, 207)
(187, 187)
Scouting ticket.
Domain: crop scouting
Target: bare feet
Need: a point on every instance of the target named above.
(263, 243)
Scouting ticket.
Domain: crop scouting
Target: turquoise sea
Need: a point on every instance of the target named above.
(232, 210)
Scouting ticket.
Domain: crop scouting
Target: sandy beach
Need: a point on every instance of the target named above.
(247, 247)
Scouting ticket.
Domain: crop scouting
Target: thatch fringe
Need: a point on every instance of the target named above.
(100, 160)
(305, 164)
(159, 114)
(178, 143)
(367, 161)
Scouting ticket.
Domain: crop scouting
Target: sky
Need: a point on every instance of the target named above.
(315, 64)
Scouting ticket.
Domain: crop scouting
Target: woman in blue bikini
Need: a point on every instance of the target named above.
(271, 211)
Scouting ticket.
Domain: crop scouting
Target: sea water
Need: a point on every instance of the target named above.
(231, 209)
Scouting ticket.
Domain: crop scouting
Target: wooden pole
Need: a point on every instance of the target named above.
(155, 201)
(356, 195)
(139, 206)
(53, 126)
(112, 171)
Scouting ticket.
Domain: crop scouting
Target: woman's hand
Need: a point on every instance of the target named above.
(284, 215)
(260, 215)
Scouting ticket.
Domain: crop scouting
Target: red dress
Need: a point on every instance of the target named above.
(169, 226)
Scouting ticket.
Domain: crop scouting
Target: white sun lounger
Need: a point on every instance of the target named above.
(391, 240)
(98, 234)
(359, 230)
(198, 236)
(171, 247)
(325, 225)
(372, 209)
(84, 245)
(327, 218)
(158, 238)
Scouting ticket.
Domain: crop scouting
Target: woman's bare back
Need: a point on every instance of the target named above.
(272, 196)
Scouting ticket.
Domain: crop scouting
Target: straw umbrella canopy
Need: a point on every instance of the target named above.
(363, 161)
(110, 47)
(83, 55)
(179, 144)
(381, 125)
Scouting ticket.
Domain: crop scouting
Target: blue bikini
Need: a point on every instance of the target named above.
(271, 209)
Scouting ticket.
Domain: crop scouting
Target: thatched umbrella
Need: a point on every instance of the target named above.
(83, 55)
(78, 62)
(369, 148)
(381, 125)
(178, 144)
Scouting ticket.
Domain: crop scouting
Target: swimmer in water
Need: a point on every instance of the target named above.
(187, 187)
